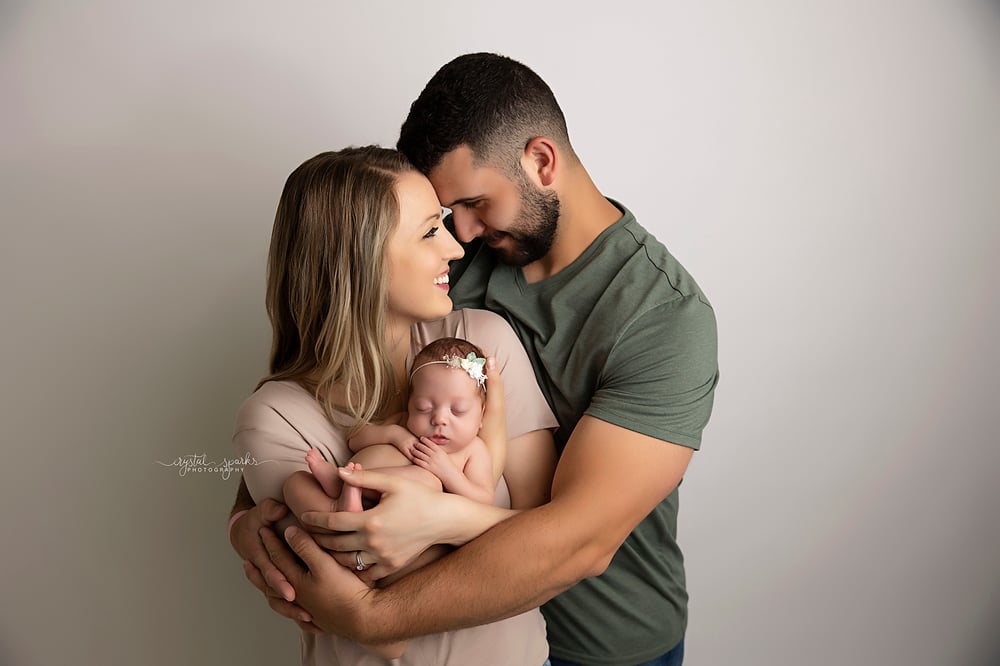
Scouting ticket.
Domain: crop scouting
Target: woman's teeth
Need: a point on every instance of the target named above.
(443, 279)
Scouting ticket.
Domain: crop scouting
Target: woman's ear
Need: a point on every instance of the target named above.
(540, 160)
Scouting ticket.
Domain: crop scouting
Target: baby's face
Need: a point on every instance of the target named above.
(445, 406)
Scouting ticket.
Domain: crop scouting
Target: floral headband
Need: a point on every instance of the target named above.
(473, 365)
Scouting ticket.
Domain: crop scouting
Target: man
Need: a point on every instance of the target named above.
(623, 344)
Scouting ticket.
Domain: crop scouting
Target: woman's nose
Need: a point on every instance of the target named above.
(452, 249)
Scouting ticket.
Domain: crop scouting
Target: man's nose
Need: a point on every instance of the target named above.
(467, 225)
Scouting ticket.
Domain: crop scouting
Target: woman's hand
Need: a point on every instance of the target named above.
(409, 518)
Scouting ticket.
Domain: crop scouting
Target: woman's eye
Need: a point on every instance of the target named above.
(432, 232)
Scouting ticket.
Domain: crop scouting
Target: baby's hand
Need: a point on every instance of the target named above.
(432, 457)
(404, 440)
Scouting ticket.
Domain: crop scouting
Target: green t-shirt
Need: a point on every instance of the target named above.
(623, 334)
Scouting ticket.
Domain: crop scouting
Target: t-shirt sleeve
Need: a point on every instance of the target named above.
(526, 407)
(660, 377)
(277, 427)
(275, 449)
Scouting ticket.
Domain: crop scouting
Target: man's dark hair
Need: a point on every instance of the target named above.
(492, 103)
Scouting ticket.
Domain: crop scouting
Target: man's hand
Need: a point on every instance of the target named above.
(336, 598)
(257, 566)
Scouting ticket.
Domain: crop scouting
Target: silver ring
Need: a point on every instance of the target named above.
(361, 564)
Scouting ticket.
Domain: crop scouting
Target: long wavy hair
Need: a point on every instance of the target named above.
(327, 280)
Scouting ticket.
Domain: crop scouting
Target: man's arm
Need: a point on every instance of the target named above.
(522, 562)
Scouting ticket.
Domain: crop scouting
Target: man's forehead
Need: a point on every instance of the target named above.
(457, 177)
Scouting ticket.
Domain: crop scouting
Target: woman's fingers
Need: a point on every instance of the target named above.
(344, 521)
(372, 570)
(399, 528)
(343, 543)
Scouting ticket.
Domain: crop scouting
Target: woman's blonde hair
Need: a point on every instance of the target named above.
(327, 279)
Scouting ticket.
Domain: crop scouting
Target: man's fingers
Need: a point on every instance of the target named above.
(274, 579)
(309, 626)
(291, 611)
(258, 558)
(253, 575)
(281, 556)
(272, 510)
(277, 582)
(306, 548)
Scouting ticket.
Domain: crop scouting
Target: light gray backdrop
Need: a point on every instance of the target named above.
(829, 171)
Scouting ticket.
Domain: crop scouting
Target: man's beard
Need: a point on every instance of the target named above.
(533, 230)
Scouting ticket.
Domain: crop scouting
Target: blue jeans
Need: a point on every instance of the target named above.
(673, 658)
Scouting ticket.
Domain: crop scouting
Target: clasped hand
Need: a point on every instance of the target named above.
(408, 519)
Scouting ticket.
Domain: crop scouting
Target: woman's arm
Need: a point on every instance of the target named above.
(531, 464)
(410, 517)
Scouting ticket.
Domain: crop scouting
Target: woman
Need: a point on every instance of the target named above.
(357, 281)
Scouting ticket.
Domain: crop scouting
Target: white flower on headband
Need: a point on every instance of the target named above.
(472, 365)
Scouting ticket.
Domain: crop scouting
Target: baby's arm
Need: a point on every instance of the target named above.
(474, 481)
(390, 433)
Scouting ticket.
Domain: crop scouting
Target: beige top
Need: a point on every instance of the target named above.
(281, 421)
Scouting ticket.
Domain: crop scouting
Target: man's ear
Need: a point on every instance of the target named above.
(540, 160)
